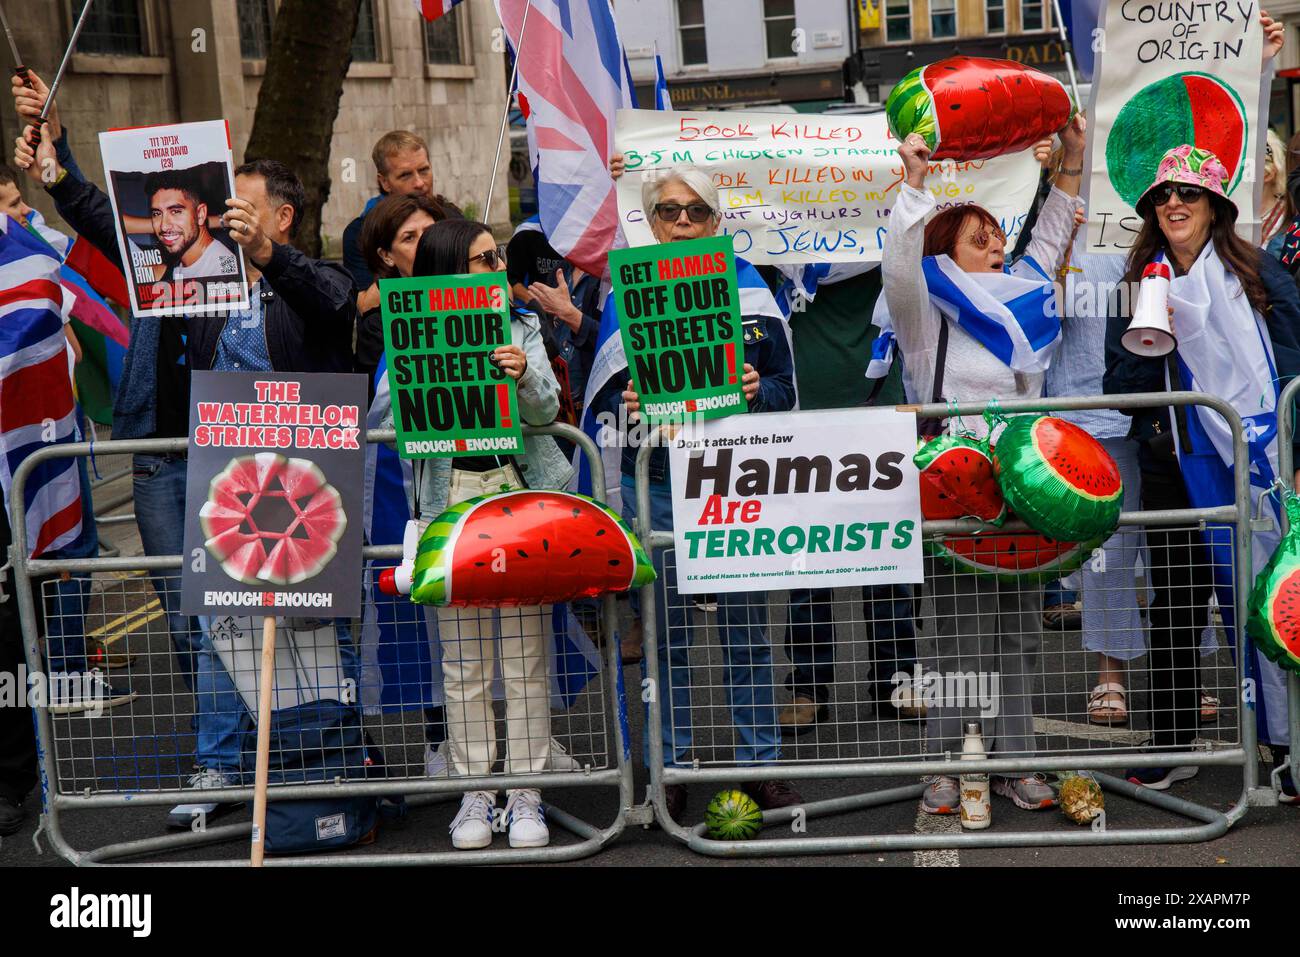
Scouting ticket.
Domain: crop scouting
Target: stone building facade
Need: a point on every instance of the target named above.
(143, 62)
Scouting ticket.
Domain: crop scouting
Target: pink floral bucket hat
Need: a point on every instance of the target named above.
(1187, 164)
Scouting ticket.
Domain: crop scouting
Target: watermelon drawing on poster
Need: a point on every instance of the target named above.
(274, 493)
(1162, 83)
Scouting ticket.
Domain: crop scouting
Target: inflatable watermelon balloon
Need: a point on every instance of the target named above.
(1193, 108)
(733, 816)
(958, 480)
(1058, 478)
(526, 548)
(1012, 557)
(973, 108)
(1274, 620)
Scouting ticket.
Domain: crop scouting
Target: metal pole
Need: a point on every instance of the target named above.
(505, 114)
(1069, 54)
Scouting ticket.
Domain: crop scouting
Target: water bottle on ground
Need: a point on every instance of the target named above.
(976, 809)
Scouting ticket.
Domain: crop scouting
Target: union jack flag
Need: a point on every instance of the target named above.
(36, 404)
(433, 9)
(573, 77)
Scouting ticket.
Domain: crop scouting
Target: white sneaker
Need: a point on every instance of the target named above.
(527, 818)
(76, 693)
(435, 761)
(183, 816)
(472, 827)
(562, 760)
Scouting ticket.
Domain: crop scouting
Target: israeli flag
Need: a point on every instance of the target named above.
(1012, 314)
(663, 101)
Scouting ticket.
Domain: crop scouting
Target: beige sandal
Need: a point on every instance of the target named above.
(1104, 711)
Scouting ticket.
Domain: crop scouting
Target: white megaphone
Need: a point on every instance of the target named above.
(1149, 333)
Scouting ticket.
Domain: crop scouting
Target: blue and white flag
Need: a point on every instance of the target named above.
(1012, 314)
(663, 99)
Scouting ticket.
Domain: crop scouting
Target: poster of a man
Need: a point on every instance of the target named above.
(181, 258)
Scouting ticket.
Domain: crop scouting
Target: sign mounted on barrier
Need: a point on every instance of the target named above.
(679, 314)
(759, 504)
(273, 487)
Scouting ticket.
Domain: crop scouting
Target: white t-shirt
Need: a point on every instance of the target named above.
(217, 261)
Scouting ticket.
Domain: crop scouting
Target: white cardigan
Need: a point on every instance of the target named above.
(971, 372)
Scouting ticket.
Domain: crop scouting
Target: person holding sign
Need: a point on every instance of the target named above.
(1235, 315)
(969, 328)
(473, 638)
(682, 206)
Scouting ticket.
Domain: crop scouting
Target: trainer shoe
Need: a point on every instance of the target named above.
(471, 828)
(526, 818)
(942, 796)
(1159, 779)
(1031, 792)
(561, 760)
(1287, 795)
(77, 693)
(183, 816)
(435, 760)
(11, 817)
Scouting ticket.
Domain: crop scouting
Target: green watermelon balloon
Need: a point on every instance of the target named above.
(1193, 108)
(1274, 621)
(1058, 478)
(733, 816)
(958, 481)
(526, 548)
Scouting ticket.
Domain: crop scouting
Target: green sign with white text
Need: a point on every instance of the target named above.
(679, 313)
(449, 396)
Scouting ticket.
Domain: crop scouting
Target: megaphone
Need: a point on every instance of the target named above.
(1149, 333)
(397, 581)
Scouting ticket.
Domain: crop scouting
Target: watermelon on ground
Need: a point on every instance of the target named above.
(526, 548)
(733, 816)
(1194, 108)
(1059, 479)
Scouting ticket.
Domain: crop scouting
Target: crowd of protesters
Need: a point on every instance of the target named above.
(314, 315)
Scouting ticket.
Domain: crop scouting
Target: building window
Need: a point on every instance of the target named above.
(778, 19)
(690, 22)
(113, 27)
(254, 28)
(995, 16)
(943, 19)
(1033, 15)
(442, 39)
(365, 42)
(898, 21)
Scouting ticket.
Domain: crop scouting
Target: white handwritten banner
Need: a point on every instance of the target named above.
(804, 188)
(1172, 74)
(759, 502)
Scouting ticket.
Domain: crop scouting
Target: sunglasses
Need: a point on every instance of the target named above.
(981, 238)
(491, 257)
(1186, 192)
(671, 212)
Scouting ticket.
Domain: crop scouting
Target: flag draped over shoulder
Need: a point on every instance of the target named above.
(573, 77)
(36, 403)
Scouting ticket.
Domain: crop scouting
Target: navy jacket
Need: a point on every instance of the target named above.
(1128, 374)
(766, 348)
(309, 307)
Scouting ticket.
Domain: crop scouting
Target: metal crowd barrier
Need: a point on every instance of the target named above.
(1286, 466)
(137, 754)
(737, 633)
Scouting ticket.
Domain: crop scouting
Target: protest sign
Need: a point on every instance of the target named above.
(805, 188)
(759, 503)
(274, 483)
(169, 186)
(1168, 75)
(449, 396)
(679, 314)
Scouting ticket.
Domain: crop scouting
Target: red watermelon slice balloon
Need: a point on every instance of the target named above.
(1194, 108)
